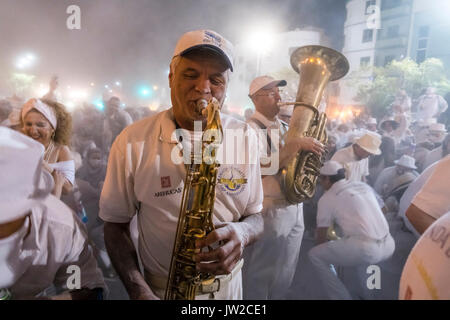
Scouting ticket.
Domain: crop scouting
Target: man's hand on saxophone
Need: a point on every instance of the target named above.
(233, 237)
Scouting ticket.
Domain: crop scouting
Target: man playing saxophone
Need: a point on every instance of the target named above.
(144, 180)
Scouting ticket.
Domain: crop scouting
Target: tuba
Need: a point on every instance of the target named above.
(317, 66)
(196, 213)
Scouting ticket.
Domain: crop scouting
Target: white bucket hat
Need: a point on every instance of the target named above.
(264, 82)
(330, 168)
(21, 175)
(406, 161)
(370, 142)
(205, 39)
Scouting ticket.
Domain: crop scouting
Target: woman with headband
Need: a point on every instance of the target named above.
(49, 123)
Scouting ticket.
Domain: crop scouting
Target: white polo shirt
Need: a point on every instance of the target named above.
(142, 178)
(353, 207)
(434, 197)
(426, 275)
(355, 169)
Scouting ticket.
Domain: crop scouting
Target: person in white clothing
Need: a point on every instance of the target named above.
(352, 209)
(270, 263)
(385, 182)
(371, 124)
(354, 158)
(426, 274)
(145, 178)
(438, 153)
(430, 105)
(433, 199)
(42, 243)
(436, 134)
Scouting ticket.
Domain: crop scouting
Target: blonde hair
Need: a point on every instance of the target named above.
(63, 131)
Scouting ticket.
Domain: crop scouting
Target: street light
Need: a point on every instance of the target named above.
(25, 61)
(260, 40)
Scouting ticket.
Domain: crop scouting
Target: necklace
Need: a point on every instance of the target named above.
(49, 150)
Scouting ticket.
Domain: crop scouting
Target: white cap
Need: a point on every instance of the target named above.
(264, 82)
(406, 161)
(438, 127)
(330, 168)
(372, 121)
(370, 142)
(22, 174)
(205, 39)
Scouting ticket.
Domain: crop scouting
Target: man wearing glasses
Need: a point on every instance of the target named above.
(271, 262)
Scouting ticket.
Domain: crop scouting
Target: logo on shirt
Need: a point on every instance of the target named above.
(165, 182)
(232, 181)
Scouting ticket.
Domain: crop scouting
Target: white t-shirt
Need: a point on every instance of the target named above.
(57, 240)
(142, 179)
(353, 207)
(434, 197)
(355, 169)
(426, 274)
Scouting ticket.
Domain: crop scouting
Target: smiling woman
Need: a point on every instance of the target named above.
(50, 124)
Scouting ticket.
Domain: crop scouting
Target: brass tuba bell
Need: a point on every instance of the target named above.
(317, 65)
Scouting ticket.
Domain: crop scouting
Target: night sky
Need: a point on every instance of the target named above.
(133, 40)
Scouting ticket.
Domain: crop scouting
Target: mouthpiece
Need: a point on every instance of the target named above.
(201, 106)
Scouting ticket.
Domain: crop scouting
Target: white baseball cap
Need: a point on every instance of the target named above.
(330, 168)
(264, 82)
(22, 175)
(205, 39)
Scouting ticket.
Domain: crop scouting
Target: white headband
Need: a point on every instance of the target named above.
(43, 108)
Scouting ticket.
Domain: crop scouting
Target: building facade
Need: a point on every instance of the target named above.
(380, 31)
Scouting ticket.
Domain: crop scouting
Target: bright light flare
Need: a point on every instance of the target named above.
(261, 39)
(25, 61)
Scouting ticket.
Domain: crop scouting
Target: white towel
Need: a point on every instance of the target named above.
(67, 168)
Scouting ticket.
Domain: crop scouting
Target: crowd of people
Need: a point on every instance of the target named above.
(100, 191)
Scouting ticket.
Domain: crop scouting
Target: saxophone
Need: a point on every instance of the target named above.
(317, 66)
(196, 213)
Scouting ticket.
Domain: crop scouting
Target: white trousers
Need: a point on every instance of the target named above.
(346, 252)
(270, 263)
